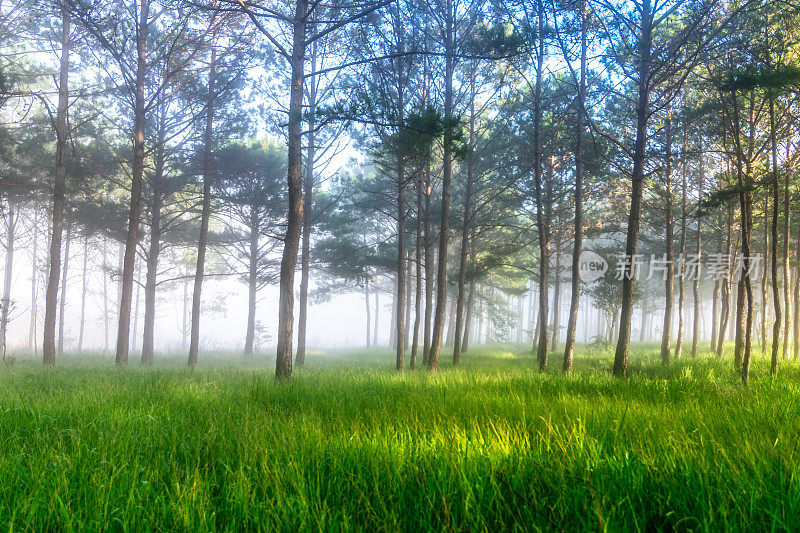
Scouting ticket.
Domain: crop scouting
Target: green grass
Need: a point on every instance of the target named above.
(350, 444)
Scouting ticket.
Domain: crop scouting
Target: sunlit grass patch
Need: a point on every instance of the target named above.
(351, 444)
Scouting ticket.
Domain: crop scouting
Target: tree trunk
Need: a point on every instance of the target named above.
(696, 286)
(5, 304)
(400, 298)
(377, 311)
(137, 171)
(105, 294)
(34, 281)
(447, 170)
(155, 244)
(429, 264)
(669, 285)
(725, 289)
(542, 225)
(418, 275)
(462, 265)
(572, 320)
(366, 304)
(796, 308)
(557, 295)
(62, 303)
(776, 298)
(308, 198)
(451, 322)
(83, 293)
(59, 191)
(205, 214)
(470, 305)
(283, 362)
(640, 154)
(252, 287)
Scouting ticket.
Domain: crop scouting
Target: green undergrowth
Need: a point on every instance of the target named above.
(349, 444)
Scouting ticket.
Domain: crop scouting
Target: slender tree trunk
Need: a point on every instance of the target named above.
(308, 198)
(409, 296)
(137, 299)
(462, 266)
(400, 295)
(59, 191)
(418, 276)
(34, 280)
(572, 320)
(137, 171)
(205, 214)
(669, 292)
(155, 244)
(764, 274)
(366, 304)
(429, 265)
(252, 284)
(696, 286)
(62, 303)
(105, 294)
(447, 170)
(640, 154)
(725, 288)
(542, 225)
(715, 314)
(283, 363)
(557, 294)
(796, 308)
(377, 311)
(776, 298)
(83, 292)
(5, 304)
(470, 304)
(787, 270)
(393, 323)
(451, 322)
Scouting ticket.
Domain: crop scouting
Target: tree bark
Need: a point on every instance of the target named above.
(572, 320)
(776, 299)
(377, 311)
(34, 284)
(137, 171)
(62, 303)
(725, 286)
(155, 244)
(59, 192)
(5, 304)
(640, 154)
(462, 265)
(696, 286)
(308, 198)
(205, 214)
(542, 348)
(252, 284)
(283, 362)
(470, 304)
(669, 285)
(447, 170)
(557, 294)
(105, 294)
(418, 275)
(429, 265)
(366, 304)
(83, 292)
(400, 298)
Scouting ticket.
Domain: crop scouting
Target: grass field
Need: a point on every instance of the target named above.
(350, 444)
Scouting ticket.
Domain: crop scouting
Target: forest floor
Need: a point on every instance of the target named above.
(351, 444)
